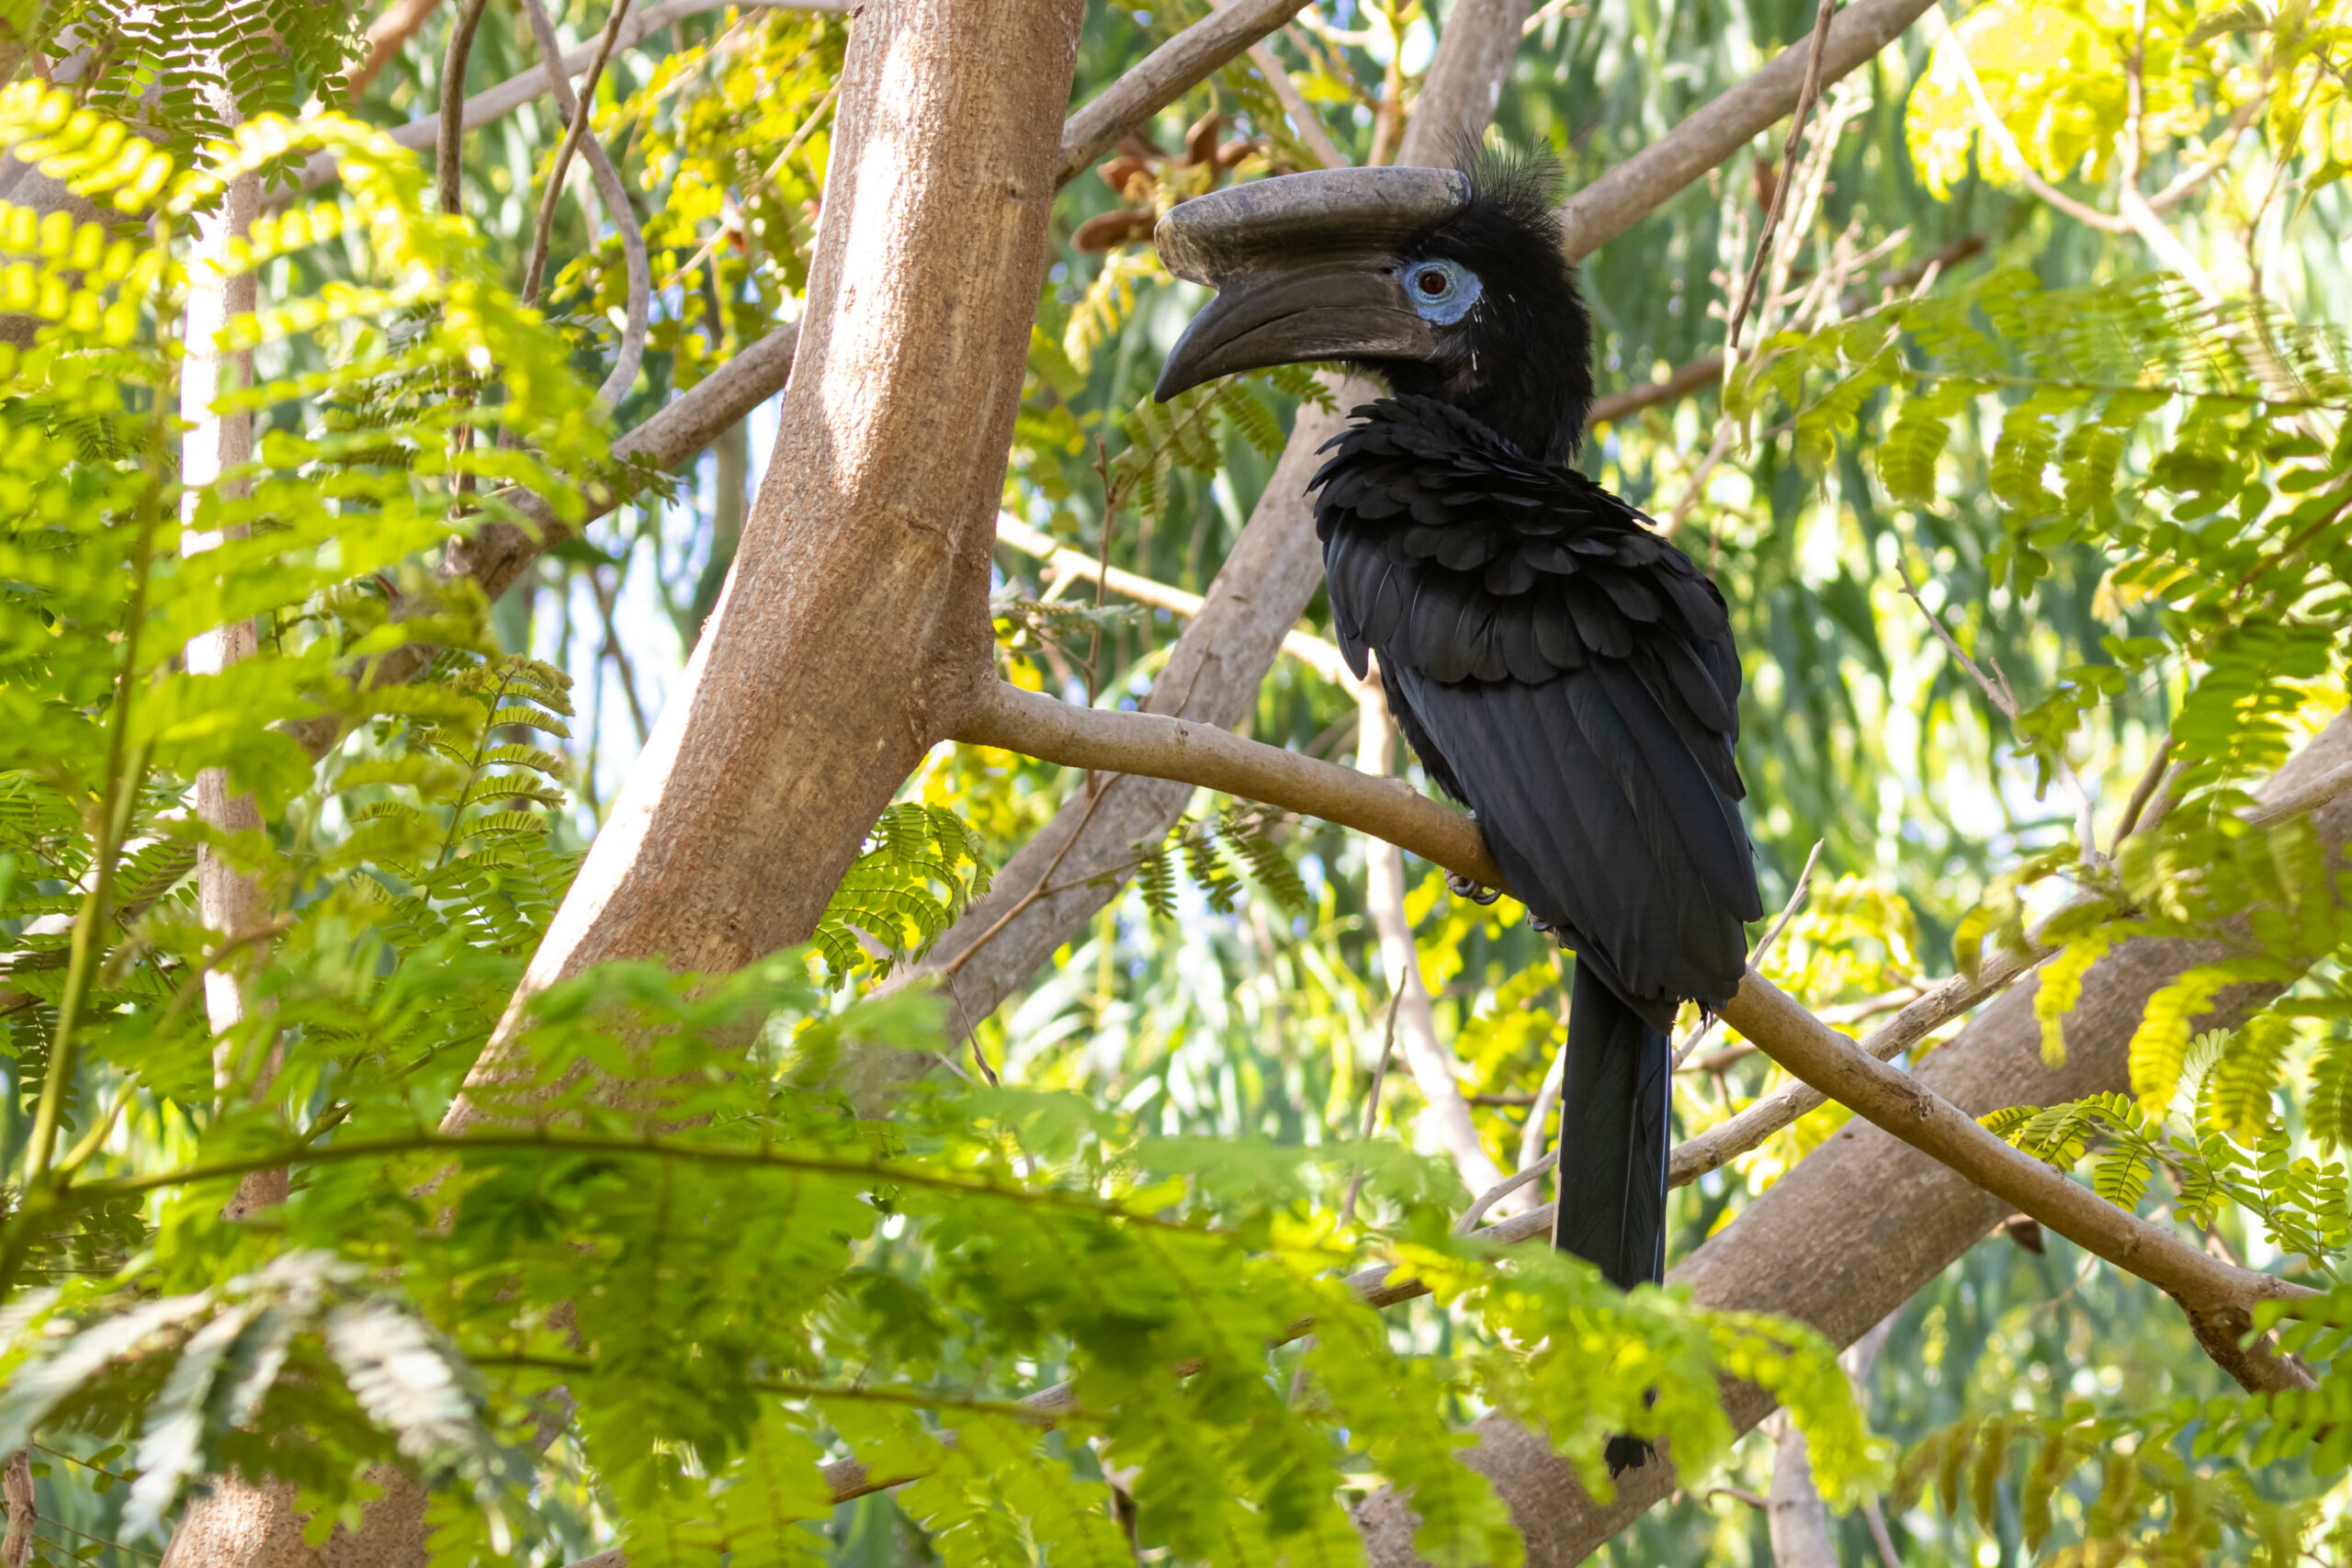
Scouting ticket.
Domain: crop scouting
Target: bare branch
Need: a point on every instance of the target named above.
(1683, 381)
(577, 116)
(1153, 746)
(639, 267)
(1635, 189)
(1727, 1141)
(2304, 797)
(1164, 75)
(1465, 80)
(1302, 114)
(453, 84)
(2208, 1287)
(2142, 792)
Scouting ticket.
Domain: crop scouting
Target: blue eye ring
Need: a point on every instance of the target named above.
(1442, 291)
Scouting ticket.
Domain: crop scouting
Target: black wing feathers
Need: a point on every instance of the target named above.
(1566, 672)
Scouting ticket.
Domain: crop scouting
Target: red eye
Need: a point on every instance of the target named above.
(1433, 281)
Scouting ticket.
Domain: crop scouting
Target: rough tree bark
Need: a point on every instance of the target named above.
(16, 1495)
(865, 559)
(856, 616)
(1861, 1223)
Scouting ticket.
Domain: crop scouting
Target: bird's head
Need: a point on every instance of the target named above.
(1446, 283)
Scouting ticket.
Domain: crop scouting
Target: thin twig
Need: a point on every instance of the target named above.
(453, 99)
(1372, 1102)
(2141, 793)
(1879, 1534)
(1501, 1191)
(1805, 98)
(581, 112)
(609, 186)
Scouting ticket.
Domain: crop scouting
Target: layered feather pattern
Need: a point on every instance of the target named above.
(1564, 672)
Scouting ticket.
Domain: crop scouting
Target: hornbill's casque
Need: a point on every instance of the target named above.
(1558, 667)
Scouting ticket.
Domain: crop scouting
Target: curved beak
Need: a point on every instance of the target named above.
(1334, 311)
(1305, 266)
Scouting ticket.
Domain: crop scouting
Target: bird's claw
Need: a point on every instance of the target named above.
(1462, 886)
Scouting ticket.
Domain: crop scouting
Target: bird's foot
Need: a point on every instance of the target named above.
(1462, 886)
(1538, 923)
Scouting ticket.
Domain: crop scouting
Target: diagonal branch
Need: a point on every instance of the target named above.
(1003, 715)
(1164, 75)
(1153, 746)
(1901, 1105)
(1635, 189)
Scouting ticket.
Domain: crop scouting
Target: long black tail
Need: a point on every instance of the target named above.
(1614, 1150)
(1612, 1137)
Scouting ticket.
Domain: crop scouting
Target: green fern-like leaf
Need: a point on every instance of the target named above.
(2160, 1046)
(2236, 1099)
(2061, 988)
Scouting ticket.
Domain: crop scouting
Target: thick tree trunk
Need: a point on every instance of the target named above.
(1861, 1223)
(855, 621)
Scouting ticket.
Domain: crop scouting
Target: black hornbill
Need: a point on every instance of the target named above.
(1558, 667)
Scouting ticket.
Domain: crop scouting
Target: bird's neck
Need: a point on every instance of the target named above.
(1540, 409)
